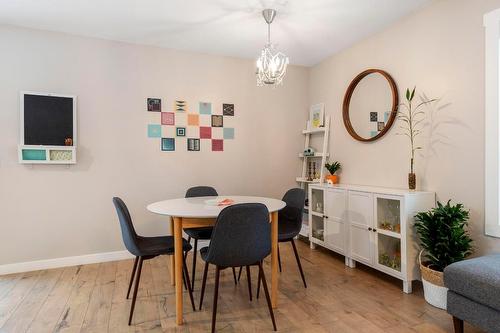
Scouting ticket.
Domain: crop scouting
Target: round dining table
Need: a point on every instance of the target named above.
(202, 212)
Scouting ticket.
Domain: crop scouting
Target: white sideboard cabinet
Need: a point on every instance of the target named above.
(369, 225)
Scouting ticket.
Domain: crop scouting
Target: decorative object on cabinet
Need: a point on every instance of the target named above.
(47, 128)
(307, 177)
(154, 104)
(369, 225)
(444, 238)
(308, 152)
(317, 115)
(411, 119)
(332, 178)
(366, 96)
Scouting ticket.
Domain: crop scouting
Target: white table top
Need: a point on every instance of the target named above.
(197, 208)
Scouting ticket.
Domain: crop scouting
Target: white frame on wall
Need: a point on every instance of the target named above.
(47, 148)
(491, 125)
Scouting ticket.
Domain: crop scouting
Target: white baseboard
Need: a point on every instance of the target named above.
(64, 262)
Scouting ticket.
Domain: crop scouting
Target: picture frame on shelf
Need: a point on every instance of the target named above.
(317, 115)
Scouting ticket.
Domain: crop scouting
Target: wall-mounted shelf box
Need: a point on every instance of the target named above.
(29, 154)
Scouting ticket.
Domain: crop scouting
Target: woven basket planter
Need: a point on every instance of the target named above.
(434, 290)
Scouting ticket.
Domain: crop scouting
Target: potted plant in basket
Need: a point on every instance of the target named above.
(332, 178)
(444, 239)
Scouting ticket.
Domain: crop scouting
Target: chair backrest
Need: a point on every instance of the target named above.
(292, 213)
(201, 191)
(130, 237)
(241, 236)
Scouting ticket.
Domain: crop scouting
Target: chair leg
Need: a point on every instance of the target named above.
(239, 273)
(132, 276)
(205, 271)
(234, 276)
(194, 262)
(266, 291)
(458, 325)
(136, 287)
(216, 295)
(186, 278)
(258, 283)
(249, 283)
(279, 257)
(298, 263)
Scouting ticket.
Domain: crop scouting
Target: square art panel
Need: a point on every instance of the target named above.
(154, 131)
(193, 119)
(154, 104)
(193, 144)
(228, 133)
(217, 121)
(180, 106)
(205, 132)
(217, 145)
(228, 109)
(380, 125)
(167, 144)
(205, 108)
(181, 131)
(167, 118)
(373, 116)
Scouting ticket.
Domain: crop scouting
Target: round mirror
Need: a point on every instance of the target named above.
(370, 105)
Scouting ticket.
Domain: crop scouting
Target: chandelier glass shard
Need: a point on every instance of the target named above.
(272, 64)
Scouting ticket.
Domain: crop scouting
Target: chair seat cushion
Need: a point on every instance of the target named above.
(199, 233)
(287, 230)
(477, 279)
(154, 246)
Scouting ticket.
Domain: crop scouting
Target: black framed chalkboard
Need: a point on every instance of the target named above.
(48, 120)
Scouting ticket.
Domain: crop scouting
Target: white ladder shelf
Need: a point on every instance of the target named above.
(323, 154)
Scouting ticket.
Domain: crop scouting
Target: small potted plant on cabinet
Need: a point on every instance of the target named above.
(444, 239)
(332, 178)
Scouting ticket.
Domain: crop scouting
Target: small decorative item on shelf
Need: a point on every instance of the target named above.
(444, 239)
(387, 226)
(411, 120)
(309, 172)
(309, 152)
(319, 207)
(393, 261)
(315, 172)
(332, 168)
(68, 142)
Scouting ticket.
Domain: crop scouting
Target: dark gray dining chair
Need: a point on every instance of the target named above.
(198, 233)
(145, 248)
(241, 237)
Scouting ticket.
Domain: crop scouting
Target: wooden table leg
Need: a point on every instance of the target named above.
(172, 258)
(178, 267)
(274, 259)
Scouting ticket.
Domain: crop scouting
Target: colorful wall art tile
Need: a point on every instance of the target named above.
(193, 119)
(228, 109)
(168, 144)
(154, 104)
(168, 118)
(205, 132)
(205, 108)
(193, 144)
(180, 106)
(181, 131)
(217, 121)
(217, 145)
(188, 129)
(373, 116)
(154, 131)
(228, 133)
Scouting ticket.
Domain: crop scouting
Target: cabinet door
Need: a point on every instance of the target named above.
(335, 217)
(361, 223)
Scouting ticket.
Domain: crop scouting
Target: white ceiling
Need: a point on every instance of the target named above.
(306, 30)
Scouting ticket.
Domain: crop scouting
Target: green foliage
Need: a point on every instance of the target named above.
(443, 234)
(334, 167)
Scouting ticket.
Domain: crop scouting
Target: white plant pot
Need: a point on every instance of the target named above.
(435, 295)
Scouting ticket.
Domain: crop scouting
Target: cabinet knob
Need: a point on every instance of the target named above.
(374, 230)
(325, 216)
(369, 228)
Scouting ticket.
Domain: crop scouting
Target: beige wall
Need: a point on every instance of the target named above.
(57, 211)
(440, 49)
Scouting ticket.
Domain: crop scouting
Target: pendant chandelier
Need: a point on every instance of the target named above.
(271, 65)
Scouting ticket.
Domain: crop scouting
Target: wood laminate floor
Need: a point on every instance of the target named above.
(91, 298)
